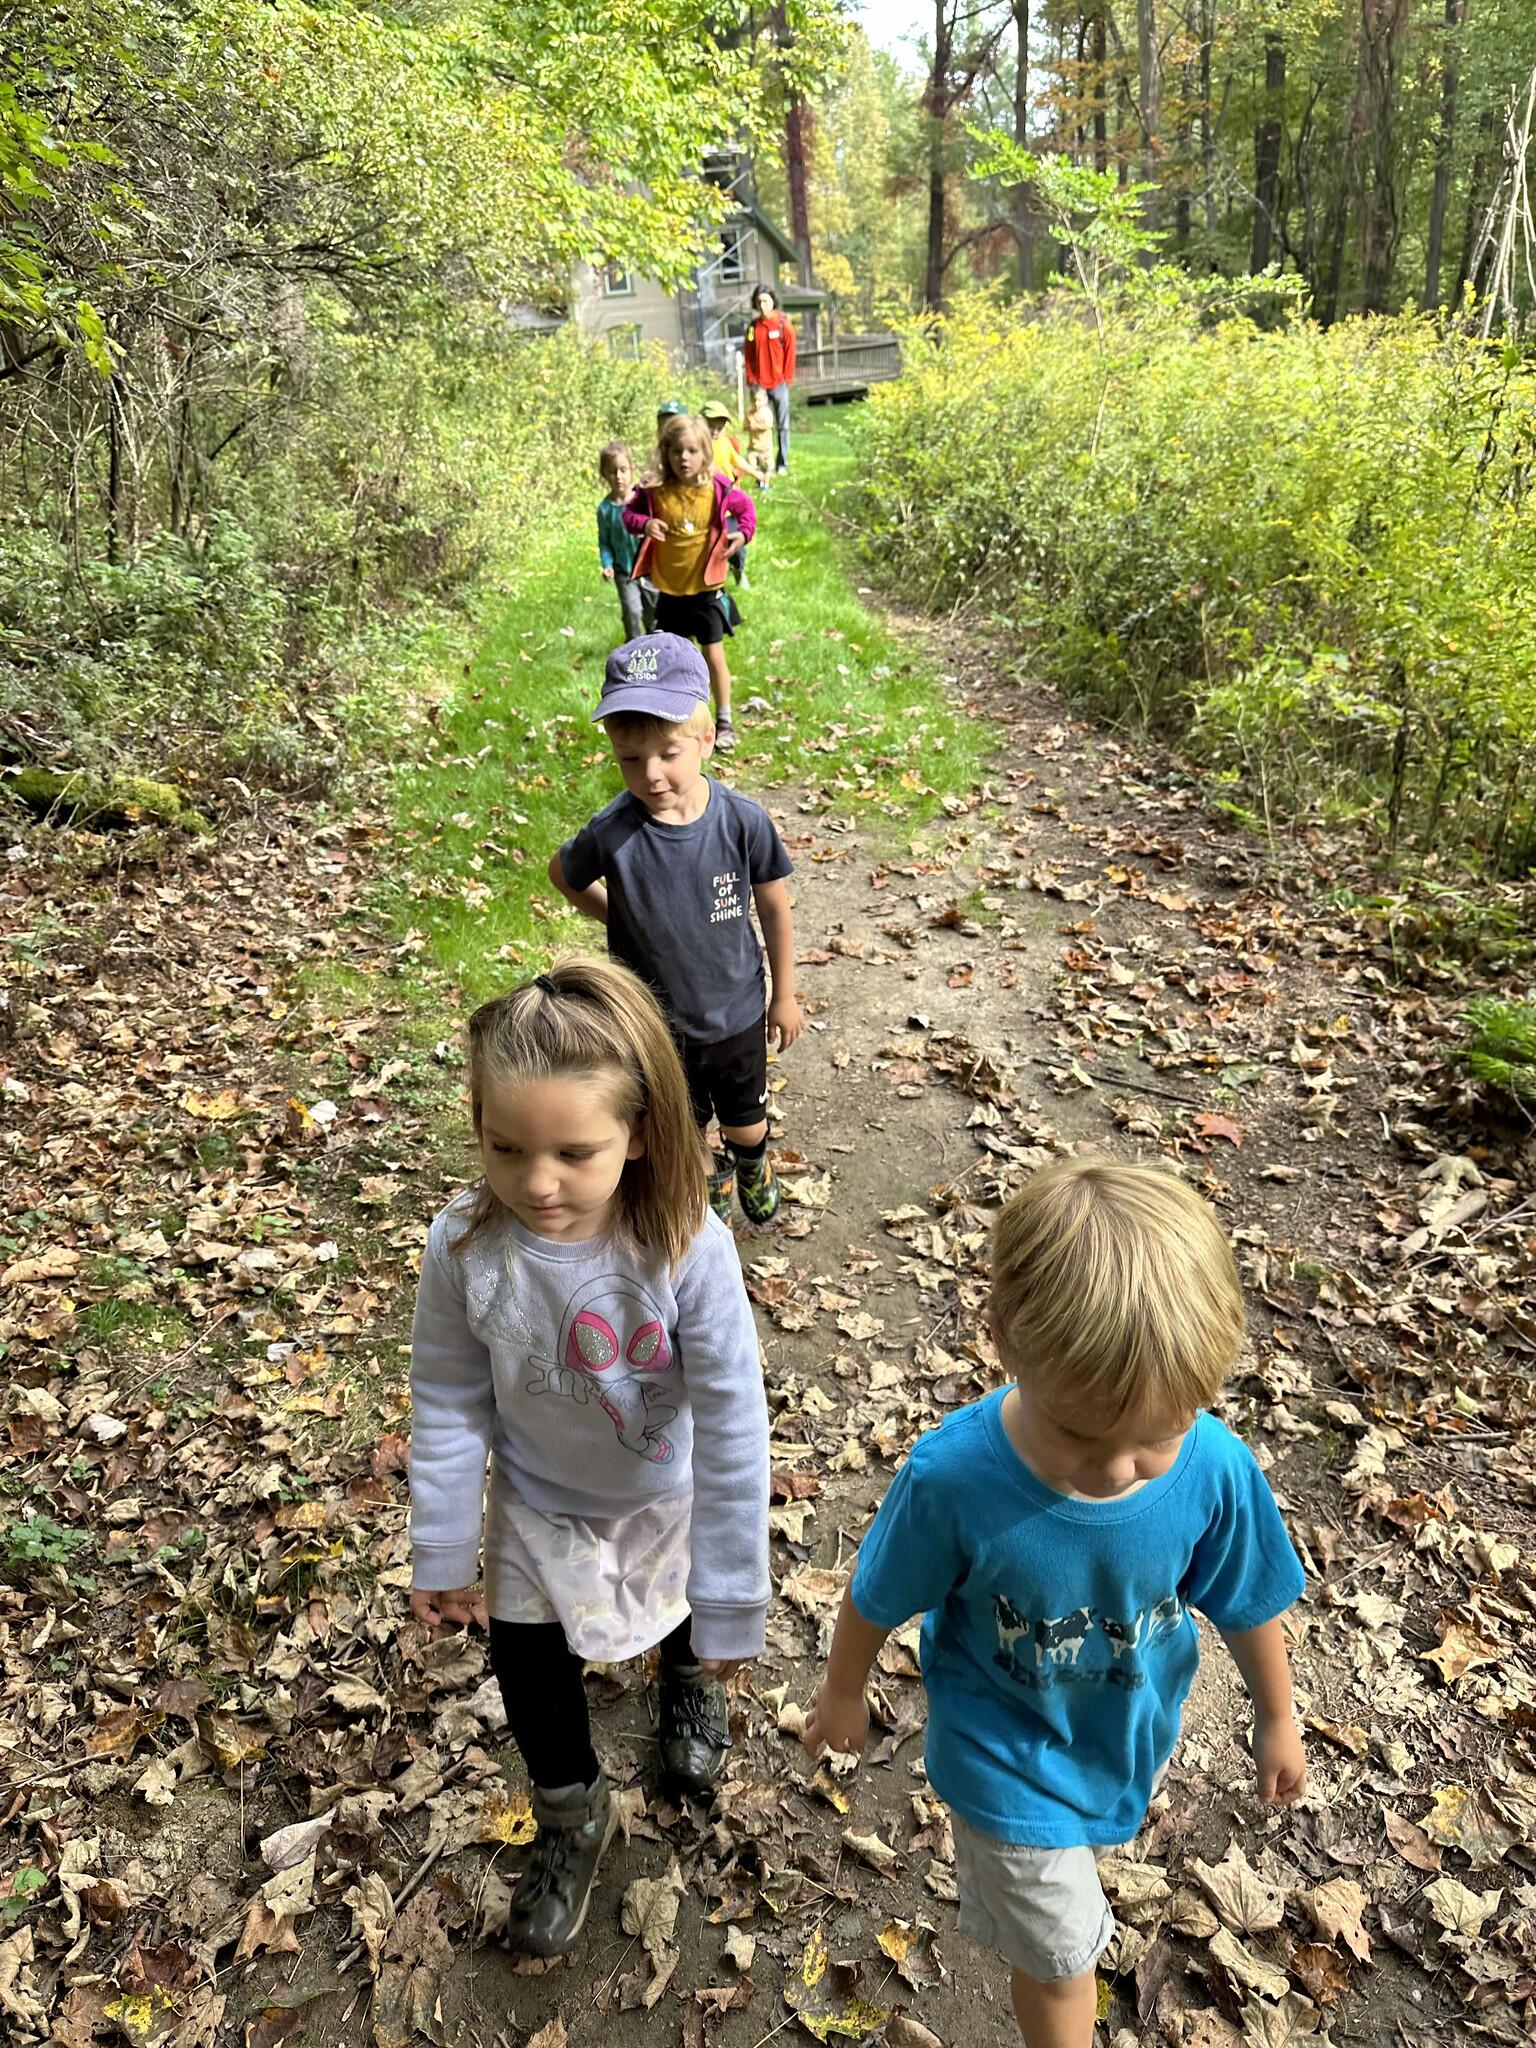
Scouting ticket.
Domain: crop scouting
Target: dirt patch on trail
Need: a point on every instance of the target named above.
(1082, 955)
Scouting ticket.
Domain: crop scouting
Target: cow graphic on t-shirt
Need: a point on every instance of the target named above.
(1082, 1646)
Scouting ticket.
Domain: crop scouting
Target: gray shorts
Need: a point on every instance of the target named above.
(1043, 1910)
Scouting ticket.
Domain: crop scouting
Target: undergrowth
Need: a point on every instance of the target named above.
(1306, 554)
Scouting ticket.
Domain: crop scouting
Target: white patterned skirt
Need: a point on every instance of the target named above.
(616, 1585)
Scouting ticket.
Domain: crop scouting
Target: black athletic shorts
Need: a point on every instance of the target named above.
(730, 1078)
(702, 617)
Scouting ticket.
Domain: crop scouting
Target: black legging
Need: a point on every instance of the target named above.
(541, 1687)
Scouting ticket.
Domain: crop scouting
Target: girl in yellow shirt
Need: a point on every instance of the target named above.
(683, 512)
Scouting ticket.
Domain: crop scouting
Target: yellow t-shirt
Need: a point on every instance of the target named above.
(677, 567)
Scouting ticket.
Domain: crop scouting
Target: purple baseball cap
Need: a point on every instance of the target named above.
(659, 675)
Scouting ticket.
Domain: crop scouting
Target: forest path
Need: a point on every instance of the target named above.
(236, 1106)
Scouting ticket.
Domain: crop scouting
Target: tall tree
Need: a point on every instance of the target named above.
(1268, 143)
(1445, 143)
(1382, 24)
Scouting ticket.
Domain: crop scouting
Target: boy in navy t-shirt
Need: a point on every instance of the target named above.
(1055, 1537)
(674, 868)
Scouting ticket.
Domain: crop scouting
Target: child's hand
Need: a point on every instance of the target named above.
(835, 1720)
(722, 1667)
(655, 529)
(607, 575)
(734, 545)
(1279, 1761)
(785, 1022)
(464, 1607)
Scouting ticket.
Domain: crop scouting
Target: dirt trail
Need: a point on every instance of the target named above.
(1084, 956)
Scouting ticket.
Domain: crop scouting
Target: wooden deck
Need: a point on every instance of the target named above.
(846, 367)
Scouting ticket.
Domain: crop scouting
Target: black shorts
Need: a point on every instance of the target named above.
(702, 617)
(730, 1078)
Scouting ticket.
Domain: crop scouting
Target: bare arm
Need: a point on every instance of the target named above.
(591, 902)
(1279, 1759)
(838, 1716)
(777, 919)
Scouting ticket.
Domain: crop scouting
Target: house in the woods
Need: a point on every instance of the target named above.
(702, 322)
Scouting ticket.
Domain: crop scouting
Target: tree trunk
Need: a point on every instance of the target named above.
(1487, 130)
(938, 108)
(1268, 138)
(1207, 129)
(1151, 98)
(1100, 89)
(1455, 13)
(1023, 214)
(1381, 34)
(797, 146)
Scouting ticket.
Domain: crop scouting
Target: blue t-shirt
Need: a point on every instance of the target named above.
(680, 904)
(617, 547)
(1058, 1644)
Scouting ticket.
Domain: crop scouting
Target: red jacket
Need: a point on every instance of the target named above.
(769, 350)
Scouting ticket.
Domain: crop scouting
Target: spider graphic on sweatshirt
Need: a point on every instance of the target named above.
(613, 1349)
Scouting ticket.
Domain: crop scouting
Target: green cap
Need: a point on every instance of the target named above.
(714, 411)
(668, 407)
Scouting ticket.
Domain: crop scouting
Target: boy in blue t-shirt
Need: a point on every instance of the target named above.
(674, 869)
(1055, 1536)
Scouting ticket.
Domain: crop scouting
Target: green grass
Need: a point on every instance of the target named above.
(510, 765)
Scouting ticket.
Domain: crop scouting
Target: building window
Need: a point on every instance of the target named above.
(733, 256)
(617, 283)
(625, 340)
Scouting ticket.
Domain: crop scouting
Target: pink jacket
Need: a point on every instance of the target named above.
(730, 503)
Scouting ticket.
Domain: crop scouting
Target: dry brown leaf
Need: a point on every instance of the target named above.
(1463, 1647)
(877, 1854)
(1246, 1969)
(1460, 1819)
(1246, 1902)
(649, 1910)
(1458, 1910)
(1294, 2022)
(1335, 1909)
(1410, 1842)
(551, 2035)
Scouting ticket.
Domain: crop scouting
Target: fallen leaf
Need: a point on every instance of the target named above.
(877, 1854)
(1335, 1909)
(1410, 1842)
(1293, 2020)
(1458, 1910)
(1245, 1968)
(1468, 1821)
(1462, 1648)
(1246, 1902)
(649, 1909)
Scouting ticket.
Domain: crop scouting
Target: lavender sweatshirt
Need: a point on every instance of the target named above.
(597, 1383)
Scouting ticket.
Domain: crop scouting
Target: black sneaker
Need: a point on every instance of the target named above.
(550, 1899)
(695, 1735)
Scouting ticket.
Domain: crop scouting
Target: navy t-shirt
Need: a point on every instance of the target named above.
(1058, 1644)
(680, 901)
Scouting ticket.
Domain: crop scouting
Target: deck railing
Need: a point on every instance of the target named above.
(848, 361)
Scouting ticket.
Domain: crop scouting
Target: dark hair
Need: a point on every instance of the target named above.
(610, 454)
(592, 1018)
(764, 291)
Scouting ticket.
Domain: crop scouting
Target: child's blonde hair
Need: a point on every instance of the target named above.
(591, 1017)
(645, 725)
(1116, 1284)
(670, 432)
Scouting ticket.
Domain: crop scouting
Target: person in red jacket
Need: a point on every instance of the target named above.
(768, 356)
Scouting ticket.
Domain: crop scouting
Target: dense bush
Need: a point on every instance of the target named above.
(352, 517)
(1308, 552)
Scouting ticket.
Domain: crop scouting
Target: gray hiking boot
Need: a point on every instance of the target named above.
(695, 1732)
(550, 1899)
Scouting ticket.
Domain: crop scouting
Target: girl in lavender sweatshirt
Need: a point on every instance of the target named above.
(582, 1325)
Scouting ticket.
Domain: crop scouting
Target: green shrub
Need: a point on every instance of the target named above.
(1306, 552)
(1502, 1048)
(259, 644)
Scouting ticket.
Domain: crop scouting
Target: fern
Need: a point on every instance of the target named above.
(1502, 1048)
